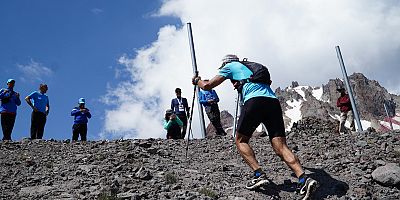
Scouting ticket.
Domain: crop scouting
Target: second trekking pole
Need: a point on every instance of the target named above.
(191, 117)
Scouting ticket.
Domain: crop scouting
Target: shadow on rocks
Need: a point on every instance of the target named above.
(328, 186)
(273, 190)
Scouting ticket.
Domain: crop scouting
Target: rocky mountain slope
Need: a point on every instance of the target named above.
(320, 102)
(355, 166)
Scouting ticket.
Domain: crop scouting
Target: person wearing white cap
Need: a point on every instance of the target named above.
(81, 115)
(9, 102)
(39, 102)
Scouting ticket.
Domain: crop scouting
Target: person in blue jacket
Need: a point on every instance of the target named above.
(172, 124)
(209, 99)
(9, 102)
(81, 115)
(39, 102)
(260, 106)
(180, 107)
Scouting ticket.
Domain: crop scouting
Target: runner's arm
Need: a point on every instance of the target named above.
(214, 82)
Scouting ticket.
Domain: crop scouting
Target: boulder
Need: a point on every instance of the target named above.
(388, 175)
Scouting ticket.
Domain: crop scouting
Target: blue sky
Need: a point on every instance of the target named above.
(73, 46)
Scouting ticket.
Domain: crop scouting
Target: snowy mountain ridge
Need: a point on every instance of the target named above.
(305, 101)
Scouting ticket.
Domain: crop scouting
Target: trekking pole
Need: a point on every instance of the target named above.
(191, 117)
(236, 114)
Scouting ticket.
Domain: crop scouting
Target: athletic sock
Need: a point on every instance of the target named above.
(258, 172)
(302, 178)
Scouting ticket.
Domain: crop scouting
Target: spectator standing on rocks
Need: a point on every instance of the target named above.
(346, 111)
(81, 117)
(9, 102)
(209, 99)
(181, 108)
(172, 124)
(39, 102)
(260, 106)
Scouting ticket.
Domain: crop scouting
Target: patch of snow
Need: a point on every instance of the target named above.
(317, 93)
(365, 124)
(294, 113)
(299, 90)
(337, 117)
(387, 124)
(260, 128)
(397, 117)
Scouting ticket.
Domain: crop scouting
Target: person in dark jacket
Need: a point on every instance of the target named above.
(172, 124)
(346, 111)
(81, 115)
(39, 102)
(180, 107)
(9, 102)
(209, 99)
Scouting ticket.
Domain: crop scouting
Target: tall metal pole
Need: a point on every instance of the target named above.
(194, 64)
(350, 91)
(387, 113)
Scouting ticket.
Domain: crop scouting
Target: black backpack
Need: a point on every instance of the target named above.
(260, 72)
(260, 75)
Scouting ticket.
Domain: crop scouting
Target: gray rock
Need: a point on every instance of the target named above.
(143, 174)
(145, 144)
(388, 175)
(128, 195)
(34, 190)
(380, 162)
(362, 143)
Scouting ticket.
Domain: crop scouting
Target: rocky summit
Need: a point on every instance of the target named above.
(359, 165)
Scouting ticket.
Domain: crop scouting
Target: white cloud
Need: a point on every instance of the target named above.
(296, 39)
(34, 71)
(96, 11)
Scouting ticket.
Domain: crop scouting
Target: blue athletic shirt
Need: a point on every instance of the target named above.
(11, 105)
(205, 96)
(80, 117)
(237, 71)
(39, 101)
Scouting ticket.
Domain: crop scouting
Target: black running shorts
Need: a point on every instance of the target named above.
(262, 110)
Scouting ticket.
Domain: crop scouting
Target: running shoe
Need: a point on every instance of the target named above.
(256, 182)
(307, 188)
